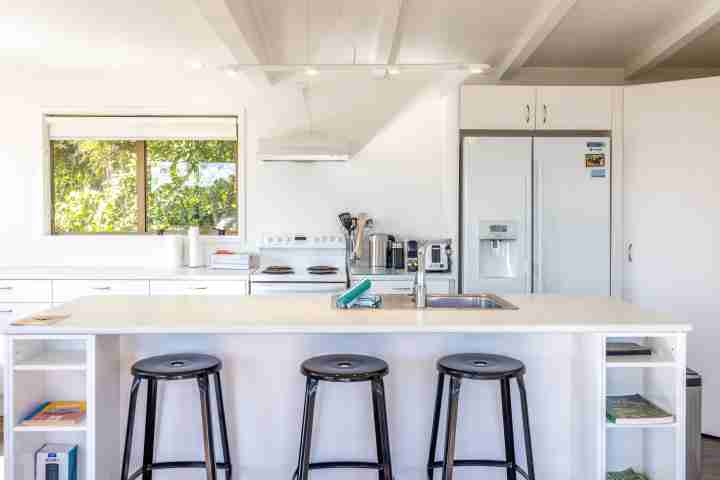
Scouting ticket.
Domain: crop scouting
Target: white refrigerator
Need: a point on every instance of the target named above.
(535, 214)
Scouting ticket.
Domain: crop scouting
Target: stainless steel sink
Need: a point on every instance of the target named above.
(483, 301)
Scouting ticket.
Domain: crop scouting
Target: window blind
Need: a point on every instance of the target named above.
(141, 128)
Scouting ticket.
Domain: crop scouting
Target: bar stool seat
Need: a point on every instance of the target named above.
(183, 366)
(344, 368)
(176, 366)
(480, 366)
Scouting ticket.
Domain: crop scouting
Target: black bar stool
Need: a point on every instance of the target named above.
(345, 368)
(478, 366)
(168, 368)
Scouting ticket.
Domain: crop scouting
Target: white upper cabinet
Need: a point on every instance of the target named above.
(574, 108)
(490, 107)
(512, 107)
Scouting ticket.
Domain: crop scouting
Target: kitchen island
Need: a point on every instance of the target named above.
(263, 340)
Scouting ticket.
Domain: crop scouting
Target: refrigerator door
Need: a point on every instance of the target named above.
(496, 189)
(572, 215)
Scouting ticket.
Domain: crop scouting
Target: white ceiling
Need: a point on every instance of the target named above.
(637, 35)
(103, 33)
(704, 52)
(551, 41)
(601, 33)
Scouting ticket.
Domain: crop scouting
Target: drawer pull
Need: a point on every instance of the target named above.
(198, 288)
(7, 311)
(6, 288)
(401, 289)
(102, 289)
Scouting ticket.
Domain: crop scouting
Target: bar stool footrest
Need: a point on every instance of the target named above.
(482, 463)
(345, 464)
(171, 465)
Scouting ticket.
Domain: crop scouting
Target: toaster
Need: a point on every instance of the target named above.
(437, 256)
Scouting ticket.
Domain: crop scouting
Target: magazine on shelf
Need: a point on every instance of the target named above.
(635, 410)
(56, 414)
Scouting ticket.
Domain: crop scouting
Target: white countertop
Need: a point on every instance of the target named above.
(314, 314)
(118, 273)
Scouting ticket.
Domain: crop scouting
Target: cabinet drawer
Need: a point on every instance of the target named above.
(397, 287)
(185, 287)
(12, 291)
(11, 311)
(66, 290)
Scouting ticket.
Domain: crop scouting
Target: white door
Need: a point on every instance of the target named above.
(574, 108)
(572, 216)
(496, 187)
(492, 107)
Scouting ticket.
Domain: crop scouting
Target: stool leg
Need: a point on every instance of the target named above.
(130, 426)
(382, 431)
(150, 414)
(223, 426)
(435, 425)
(508, 428)
(452, 416)
(303, 468)
(210, 466)
(526, 428)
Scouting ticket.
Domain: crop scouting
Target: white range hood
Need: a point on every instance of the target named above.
(308, 146)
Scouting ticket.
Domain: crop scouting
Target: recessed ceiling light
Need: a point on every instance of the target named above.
(478, 68)
(195, 65)
(393, 70)
(311, 72)
(231, 72)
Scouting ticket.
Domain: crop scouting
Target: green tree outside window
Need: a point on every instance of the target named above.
(96, 188)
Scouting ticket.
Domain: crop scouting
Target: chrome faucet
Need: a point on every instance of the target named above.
(420, 288)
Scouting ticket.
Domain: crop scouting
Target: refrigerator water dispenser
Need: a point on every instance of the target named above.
(499, 249)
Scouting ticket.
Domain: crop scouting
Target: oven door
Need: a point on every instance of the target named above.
(295, 288)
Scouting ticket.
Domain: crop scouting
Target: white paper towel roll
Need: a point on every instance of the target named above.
(195, 249)
(174, 251)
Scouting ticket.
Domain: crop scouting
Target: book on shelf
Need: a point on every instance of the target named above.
(56, 414)
(624, 349)
(635, 410)
(627, 474)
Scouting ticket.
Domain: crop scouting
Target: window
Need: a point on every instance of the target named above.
(149, 185)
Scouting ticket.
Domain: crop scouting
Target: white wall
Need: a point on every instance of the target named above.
(401, 177)
(672, 194)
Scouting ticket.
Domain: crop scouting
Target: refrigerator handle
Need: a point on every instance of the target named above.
(527, 245)
(538, 244)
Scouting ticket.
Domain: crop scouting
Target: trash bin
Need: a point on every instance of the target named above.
(693, 383)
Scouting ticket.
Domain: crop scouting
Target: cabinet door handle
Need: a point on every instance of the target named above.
(630, 252)
(527, 113)
(198, 288)
(545, 113)
(6, 288)
(103, 289)
(7, 311)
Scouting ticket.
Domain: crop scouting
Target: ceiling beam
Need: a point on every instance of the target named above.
(539, 29)
(237, 27)
(673, 39)
(389, 33)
